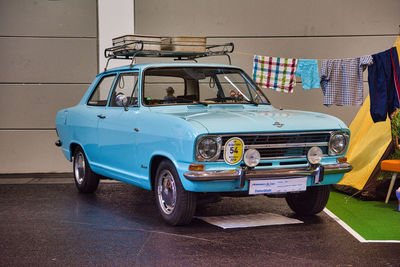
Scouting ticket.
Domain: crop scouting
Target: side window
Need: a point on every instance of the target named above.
(127, 84)
(100, 94)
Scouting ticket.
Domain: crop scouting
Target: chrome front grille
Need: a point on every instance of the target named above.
(282, 145)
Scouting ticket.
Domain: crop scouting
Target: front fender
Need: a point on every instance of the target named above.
(167, 136)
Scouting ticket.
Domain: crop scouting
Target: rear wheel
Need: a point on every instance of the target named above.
(85, 180)
(309, 202)
(175, 204)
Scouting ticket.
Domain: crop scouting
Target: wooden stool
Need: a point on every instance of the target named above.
(392, 165)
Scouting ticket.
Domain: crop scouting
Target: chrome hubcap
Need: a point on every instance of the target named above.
(166, 191)
(79, 168)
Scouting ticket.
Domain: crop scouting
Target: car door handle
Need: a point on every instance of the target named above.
(101, 116)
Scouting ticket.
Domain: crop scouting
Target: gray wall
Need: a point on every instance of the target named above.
(286, 28)
(48, 52)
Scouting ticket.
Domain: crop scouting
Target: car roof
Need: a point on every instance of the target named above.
(143, 66)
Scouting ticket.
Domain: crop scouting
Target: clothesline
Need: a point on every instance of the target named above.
(252, 55)
(341, 80)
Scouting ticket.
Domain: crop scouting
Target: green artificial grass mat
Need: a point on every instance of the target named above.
(373, 220)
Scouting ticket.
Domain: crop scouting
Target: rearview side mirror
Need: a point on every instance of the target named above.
(122, 101)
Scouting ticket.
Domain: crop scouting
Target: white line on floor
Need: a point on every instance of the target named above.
(70, 180)
(354, 233)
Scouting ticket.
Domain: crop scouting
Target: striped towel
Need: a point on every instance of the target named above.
(275, 73)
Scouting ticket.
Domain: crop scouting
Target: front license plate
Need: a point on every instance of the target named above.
(277, 186)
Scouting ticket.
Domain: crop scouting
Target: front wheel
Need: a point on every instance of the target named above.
(175, 204)
(85, 180)
(309, 202)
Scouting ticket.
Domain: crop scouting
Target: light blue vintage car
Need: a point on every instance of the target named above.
(187, 129)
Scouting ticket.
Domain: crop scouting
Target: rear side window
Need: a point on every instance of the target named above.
(100, 94)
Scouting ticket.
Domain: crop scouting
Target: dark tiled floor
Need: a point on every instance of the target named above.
(53, 225)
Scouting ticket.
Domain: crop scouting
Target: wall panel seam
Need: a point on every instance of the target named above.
(97, 36)
(48, 37)
(26, 129)
(300, 36)
(40, 83)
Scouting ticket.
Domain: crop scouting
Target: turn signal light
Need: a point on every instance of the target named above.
(196, 167)
(342, 160)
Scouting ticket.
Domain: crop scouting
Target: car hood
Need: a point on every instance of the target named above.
(239, 119)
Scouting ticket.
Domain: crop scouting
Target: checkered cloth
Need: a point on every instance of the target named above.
(342, 80)
(275, 73)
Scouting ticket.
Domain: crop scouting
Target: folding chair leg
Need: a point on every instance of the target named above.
(391, 186)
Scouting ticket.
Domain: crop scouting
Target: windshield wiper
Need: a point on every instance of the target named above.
(201, 103)
(252, 102)
(221, 99)
(188, 101)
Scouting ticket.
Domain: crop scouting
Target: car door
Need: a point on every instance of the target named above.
(116, 130)
(94, 110)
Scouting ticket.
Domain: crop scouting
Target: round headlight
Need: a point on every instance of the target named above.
(337, 143)
(252, 157)
(208, 148)
(314, 155)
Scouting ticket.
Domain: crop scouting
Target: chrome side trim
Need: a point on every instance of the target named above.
(264, 173)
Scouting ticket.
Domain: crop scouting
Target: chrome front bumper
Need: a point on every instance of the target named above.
(264, 173)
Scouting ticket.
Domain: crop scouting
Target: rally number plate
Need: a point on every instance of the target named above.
(277, 186)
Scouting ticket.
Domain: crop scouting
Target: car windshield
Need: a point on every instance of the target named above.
(199, 85)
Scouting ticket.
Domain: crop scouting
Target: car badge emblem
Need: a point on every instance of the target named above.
(277, 124)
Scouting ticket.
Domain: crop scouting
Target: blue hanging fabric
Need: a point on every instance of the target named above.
(383, 76)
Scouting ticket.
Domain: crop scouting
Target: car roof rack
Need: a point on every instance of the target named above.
(131, 50)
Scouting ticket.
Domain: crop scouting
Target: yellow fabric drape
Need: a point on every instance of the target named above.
(397, 45)
(368, 142)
